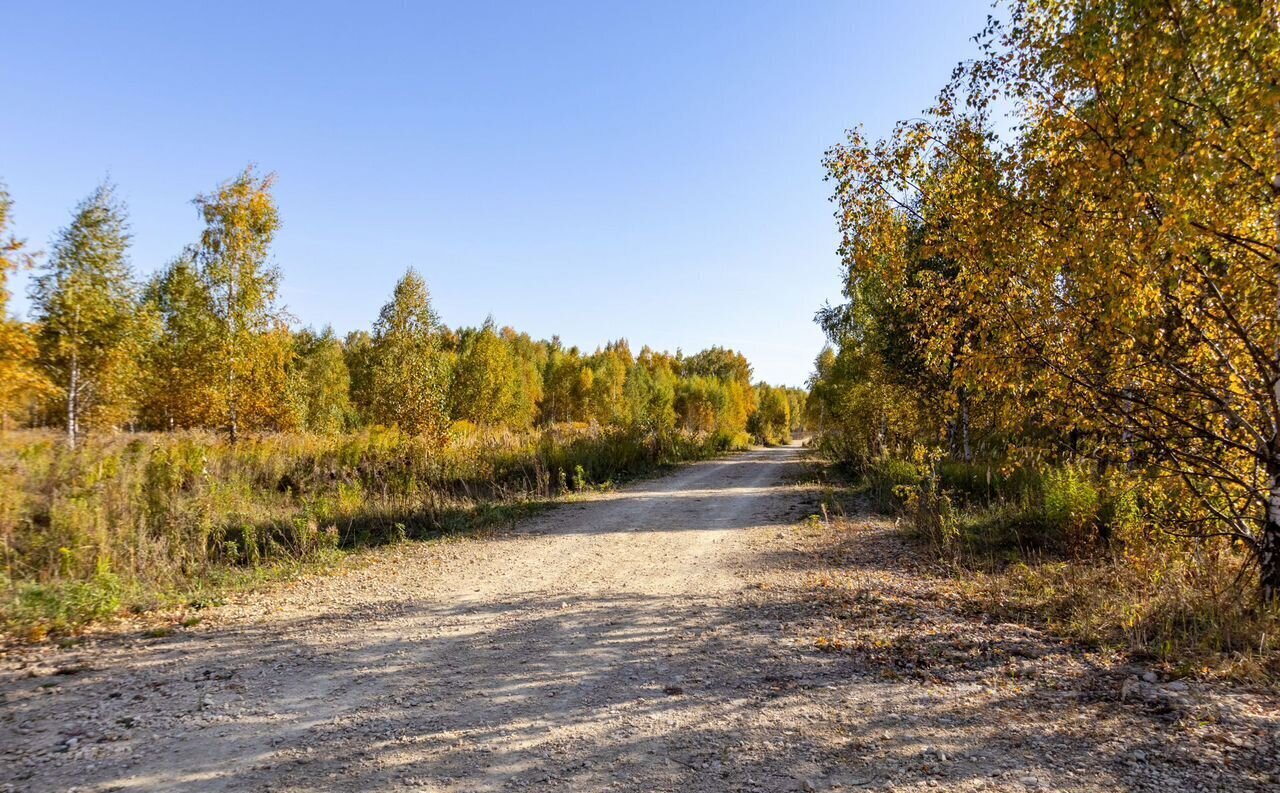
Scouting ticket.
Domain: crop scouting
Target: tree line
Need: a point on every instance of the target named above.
(1075, 258)
(205, 343)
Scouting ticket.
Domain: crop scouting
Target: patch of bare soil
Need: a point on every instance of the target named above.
(664, 637)
(938, 697)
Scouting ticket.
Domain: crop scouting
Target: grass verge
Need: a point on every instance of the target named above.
(139, 522)
(1064, 552)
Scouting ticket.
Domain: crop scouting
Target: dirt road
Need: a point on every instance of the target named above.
(650, 639)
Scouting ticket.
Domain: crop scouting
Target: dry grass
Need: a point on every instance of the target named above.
(1063, 551)
(137, 520)
(1178, 607)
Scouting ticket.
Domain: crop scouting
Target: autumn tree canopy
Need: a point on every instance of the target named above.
(1102, 279)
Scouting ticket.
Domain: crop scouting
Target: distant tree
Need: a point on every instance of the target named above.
(85, 303)
(736, 401)
(408, 384)
(719, 362)
(484, 386)
(357, 351)
(796, 400)
(567, 385)
(771, 422)
(181, 366)
(650, 394)
(241, 220)
(699, 401)
(264, 394)
(822, 392)
(529, 359)
(20, 378)
(320, 382)
(606, 394)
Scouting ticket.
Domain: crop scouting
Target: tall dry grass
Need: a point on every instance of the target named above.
(134, 520)
(1085, 556)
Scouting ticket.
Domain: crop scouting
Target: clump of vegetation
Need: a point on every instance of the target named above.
(136, 520)
(1175, 605)
(1080, 553)
(1057, 351)
(771, 422)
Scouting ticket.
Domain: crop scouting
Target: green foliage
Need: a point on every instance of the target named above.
(485, 387)
(85, 303)
(529, 362)
(409, 376)
(712, 394)
(180, 360)
(606, 384)
(720, 363)
(566, 385)
(357, 351)
(320, 382)
(253, 348)
(797, 401)
(649, 393)
(1071, 502)
(888, 479)
(63, 606)
(992, 509)
(771, 422)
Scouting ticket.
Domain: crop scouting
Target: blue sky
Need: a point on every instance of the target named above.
(648, 171)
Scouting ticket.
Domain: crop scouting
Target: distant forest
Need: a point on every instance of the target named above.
(206, 344)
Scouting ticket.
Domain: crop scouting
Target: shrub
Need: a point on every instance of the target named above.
(1071, 506)
(887, 480)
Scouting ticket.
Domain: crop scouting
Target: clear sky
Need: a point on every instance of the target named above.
(597, 170)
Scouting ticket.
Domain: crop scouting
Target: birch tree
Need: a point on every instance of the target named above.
(409, 378)
(484, 385)
(85, 303)
(320, 383)
(182, 356)
(241, 221)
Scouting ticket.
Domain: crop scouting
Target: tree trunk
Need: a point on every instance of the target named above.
(1269, 544)
(1269, 547)
(233, 419)
(234, 428)
(73, 392)
(233, 340)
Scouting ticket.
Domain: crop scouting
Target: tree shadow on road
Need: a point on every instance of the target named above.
(641, 692)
